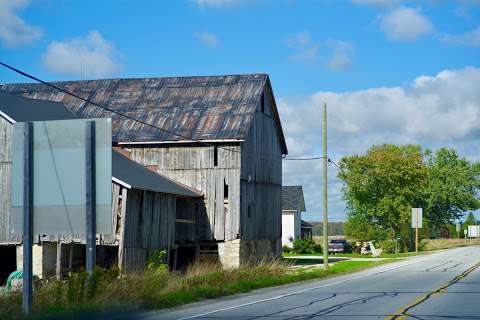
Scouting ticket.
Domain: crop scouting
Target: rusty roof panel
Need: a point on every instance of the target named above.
(186, 108)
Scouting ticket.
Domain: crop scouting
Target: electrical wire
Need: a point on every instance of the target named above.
(88, 101)
(111, 110)
(303, 159)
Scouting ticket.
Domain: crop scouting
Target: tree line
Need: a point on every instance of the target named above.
(334, 228)
(382, 185)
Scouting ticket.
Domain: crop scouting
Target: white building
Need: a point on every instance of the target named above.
(293, 227)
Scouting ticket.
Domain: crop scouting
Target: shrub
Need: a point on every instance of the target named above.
(157, 261)
(306, 246)
(387, 246)
(287, 249)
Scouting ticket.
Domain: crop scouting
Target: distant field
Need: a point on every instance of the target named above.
(435, 244)
(319, 239)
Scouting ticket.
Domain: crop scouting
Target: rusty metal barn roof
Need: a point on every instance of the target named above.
(186, 108)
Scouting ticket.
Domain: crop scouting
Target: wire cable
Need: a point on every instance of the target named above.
(88, 101)
(109, 109)
(303, 159)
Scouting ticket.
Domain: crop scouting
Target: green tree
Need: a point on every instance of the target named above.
(470, 220)
(452, 188)
(383, 185)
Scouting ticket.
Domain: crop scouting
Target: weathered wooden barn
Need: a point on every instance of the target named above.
(150, 212)
(221, 135)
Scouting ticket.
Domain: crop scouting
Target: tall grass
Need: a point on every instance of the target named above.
(155, 290)
(435, 244)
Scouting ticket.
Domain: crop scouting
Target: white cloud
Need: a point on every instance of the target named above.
(305, 50)
(92, 56)
(434, 111)
(14, 31)
(405, 24)
(306, 54)
(376, 2)
(342, 57)
(215, 3)
(299, 39)
(471, 38)
(207, 38)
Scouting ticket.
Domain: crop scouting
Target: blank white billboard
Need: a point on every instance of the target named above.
(59, 177)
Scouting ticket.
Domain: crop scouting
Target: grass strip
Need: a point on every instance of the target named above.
(108, 293)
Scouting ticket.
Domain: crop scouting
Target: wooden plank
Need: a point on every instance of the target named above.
(122, 217)
(58, 268)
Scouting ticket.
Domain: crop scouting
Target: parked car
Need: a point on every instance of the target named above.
(339, 246)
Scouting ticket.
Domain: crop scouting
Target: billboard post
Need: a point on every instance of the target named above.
(90, 201)
(27, 217)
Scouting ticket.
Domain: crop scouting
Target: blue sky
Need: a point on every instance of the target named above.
(378, 63)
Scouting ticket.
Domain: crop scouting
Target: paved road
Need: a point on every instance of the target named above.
(443, 285)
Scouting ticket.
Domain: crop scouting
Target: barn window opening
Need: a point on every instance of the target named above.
(215, 156)
(262, 103)
(225, 191)
(250, 210)
(9, 262)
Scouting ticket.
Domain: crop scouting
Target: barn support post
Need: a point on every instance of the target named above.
(58, 269)
(27, 217)
(90, 203)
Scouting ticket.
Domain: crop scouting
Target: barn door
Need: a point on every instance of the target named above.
(219, 209)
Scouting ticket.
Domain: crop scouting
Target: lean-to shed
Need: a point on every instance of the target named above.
(150, 212)
(221, 135)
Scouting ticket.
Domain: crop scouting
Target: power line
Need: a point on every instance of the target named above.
(88, 101)
(303, 159)
(335, 164)
(109, 109)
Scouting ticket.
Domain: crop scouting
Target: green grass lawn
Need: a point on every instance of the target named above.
(357, 255)
(162, 289)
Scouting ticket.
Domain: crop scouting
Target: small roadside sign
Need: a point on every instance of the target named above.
(465, 232)
(416, 223)
(473, 231)
(457, 227)
(417, 218)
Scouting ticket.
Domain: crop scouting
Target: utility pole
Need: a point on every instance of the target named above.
(325, 187)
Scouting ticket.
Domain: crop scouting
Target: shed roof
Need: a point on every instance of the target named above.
(186, 108)
(292, 198)
(16, 108)
(134, 175)
(19, 109)
(306, 225)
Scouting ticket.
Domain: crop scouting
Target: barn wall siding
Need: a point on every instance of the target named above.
(195, 167)
(261, 178)
(5, 180)
(149, 226)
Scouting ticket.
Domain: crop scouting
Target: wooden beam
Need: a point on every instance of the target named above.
(58, 269)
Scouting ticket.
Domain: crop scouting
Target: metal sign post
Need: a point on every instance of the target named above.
(457, 228)
(416, 233)
(90, 203)
(27, 217)
(416, 223)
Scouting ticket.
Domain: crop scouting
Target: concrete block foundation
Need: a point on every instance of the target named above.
(236, 253)
(44, 259)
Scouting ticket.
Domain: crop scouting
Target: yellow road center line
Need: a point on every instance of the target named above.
(402, 312)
